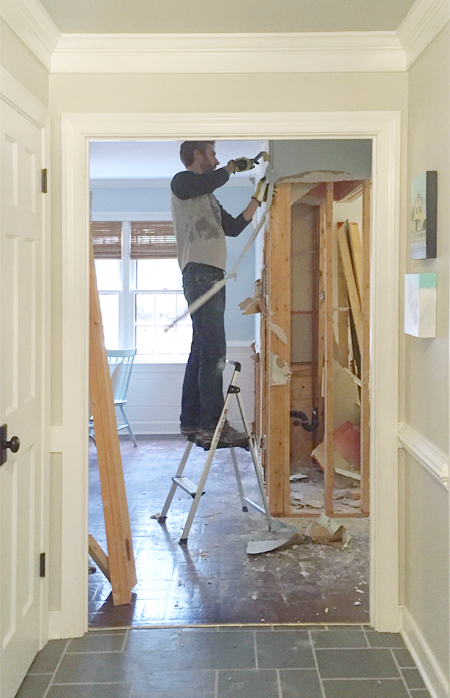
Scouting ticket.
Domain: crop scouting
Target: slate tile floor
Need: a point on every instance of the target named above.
(226, 662)
(198, 583)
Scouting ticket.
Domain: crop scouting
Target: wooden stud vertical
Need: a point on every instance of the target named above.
(120, 560)
(321, 322)
(329, 352)
(365, 351)
(342, 300)
(279, 291)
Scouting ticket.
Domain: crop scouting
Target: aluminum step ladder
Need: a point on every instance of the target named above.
(196, 491)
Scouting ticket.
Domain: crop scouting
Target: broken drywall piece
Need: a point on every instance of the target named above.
(317, 176)
(250, 306)
(280, 373)
(326, 530)
(281, 334)
(298, 476)
(276, 539)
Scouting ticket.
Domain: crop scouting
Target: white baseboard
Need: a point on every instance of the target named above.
(54, 625)
(423, 656)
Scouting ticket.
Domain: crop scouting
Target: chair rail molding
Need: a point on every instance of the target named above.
(424, 452)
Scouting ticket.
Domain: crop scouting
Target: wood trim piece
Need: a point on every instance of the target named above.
(356, 251)
(34, 27)
(365, 348)
(343, 315)
(425, 452)
(279, 52)
(329, 352)
(351, 283)
(279, 293)
(421, 25)
(121, 569)
(384, 129)
(13, 92)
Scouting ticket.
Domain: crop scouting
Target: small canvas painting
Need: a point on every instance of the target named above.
(420, 305)
(424, 215)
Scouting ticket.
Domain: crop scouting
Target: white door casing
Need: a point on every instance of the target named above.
(384, 130)
(22, 477)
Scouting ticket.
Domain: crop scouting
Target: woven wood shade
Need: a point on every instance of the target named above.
(107, 239)
(153, 239)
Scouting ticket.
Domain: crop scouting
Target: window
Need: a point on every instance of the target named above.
(140, 288)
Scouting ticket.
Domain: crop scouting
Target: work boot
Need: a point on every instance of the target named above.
(229, 437)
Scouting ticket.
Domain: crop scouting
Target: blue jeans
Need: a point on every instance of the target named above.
(202, 398)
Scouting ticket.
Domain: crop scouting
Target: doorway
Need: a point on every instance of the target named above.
(383, 129)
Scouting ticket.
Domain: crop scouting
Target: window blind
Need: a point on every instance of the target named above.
(153, 239)
(107, 239)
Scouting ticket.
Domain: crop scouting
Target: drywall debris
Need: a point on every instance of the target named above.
(326, 530)
(298, 476)
(281, 334)
(272, 541)
(318, 176)
(250, 306)
(280, 373)
(155, 516)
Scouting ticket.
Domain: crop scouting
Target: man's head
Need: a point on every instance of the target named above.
(199, 156)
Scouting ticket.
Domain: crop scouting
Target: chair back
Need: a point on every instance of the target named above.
(124, 358)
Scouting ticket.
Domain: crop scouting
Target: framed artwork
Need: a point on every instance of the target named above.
(420, 305)
(424, 215)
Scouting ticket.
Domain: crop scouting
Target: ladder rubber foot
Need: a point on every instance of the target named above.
(162, 519)
(244, 508)
(182, 541)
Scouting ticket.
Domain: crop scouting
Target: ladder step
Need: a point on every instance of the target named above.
(186, 485)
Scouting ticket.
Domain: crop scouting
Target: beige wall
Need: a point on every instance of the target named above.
(16, 58)
(425, 588)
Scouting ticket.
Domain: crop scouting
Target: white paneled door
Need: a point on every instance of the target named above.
(21, 308)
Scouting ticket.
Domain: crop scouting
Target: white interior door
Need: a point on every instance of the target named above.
(21, 262)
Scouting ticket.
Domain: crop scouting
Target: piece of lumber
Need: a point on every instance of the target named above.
(279, 313)
(342, 314)
(351, 283)
(302, 441)
(99, 556)
(329, 352)
(365, 351)
(321, 324)
(117, 523)
(356, 253)
(346, 191)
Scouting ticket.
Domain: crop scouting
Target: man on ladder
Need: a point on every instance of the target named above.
(200, 225)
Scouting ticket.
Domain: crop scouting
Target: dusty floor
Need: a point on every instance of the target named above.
(212, 580)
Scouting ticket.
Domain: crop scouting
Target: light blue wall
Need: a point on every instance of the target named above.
(234, 200)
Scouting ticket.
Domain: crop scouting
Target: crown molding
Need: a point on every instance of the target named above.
(425, 452)
(13, 92)
(34, 27)
(229, 53)
(423, 22)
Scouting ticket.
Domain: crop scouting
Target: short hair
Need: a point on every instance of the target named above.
(187, 150)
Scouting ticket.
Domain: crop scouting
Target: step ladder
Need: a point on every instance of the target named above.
(196, 491)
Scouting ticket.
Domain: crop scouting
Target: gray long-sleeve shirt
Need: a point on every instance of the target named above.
(199, 221)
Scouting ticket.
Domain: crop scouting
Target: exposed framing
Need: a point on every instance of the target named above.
(384, 129)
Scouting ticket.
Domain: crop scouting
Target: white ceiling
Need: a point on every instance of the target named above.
(226, 16)
(154, 159)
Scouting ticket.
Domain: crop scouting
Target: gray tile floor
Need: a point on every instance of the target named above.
(226, 662)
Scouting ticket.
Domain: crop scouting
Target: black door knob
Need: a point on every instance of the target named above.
(13, 444)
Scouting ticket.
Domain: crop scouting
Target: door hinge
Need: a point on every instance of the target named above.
(42, 565)
(44, 181)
